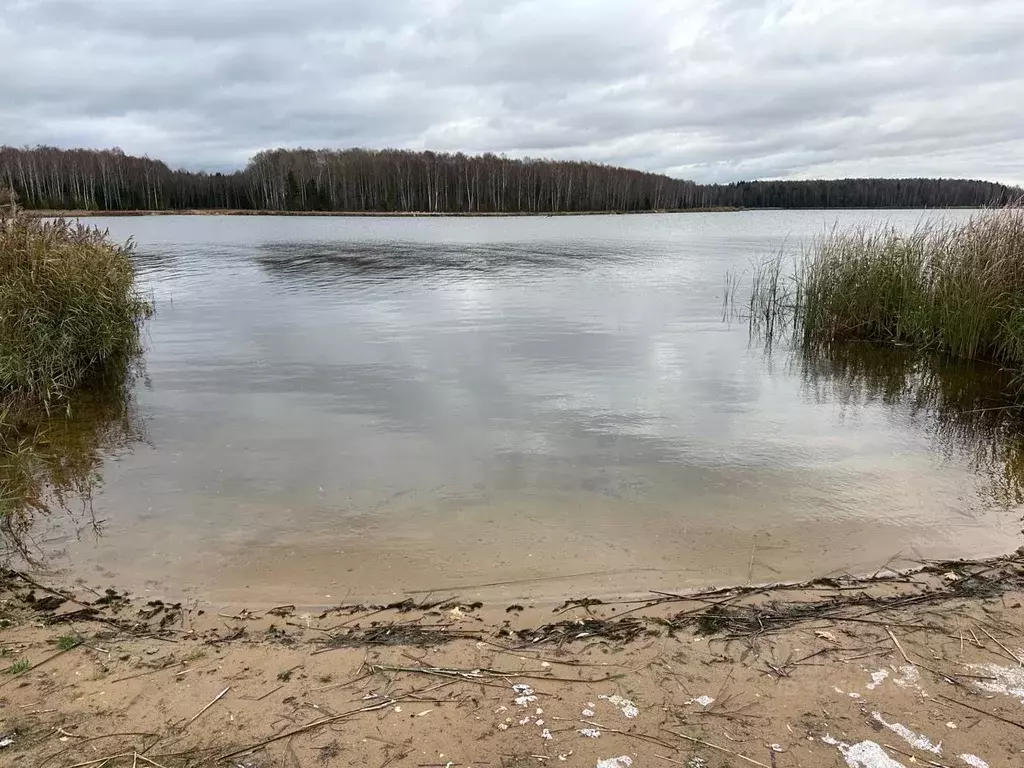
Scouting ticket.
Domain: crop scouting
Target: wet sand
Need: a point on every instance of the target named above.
(898, 671)
(529, 547)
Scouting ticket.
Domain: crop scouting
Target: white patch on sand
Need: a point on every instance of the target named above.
(587, 713)
(616, 762)
(877, 678)
(627, 707)
(546, 734)
(853, 695)
(590, 733)
(974, 761)
(525, 694)
(863, 754)
(704, 701)
(909, 678)
(916, 740)
(1009, 681)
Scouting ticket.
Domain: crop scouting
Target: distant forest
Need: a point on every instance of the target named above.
(405, 181)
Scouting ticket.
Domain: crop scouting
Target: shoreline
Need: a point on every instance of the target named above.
(54, 213)
(783, 675)
(82, 214)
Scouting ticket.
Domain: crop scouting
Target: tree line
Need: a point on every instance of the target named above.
(363, 180)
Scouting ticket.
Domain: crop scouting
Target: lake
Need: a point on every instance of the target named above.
(347, 408)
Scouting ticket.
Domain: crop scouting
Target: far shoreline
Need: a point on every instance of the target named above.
(85, 214)
(77, 214)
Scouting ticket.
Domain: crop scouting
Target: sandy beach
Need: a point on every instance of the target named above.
(893, 669)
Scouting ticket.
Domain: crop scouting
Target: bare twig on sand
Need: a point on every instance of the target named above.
(307, 727)
(709, 745)
(149, 672)
(475, 675)
(44, 588)
(78, 744)
(915, 758)
(217, 698)
(950, 677)
(899, 647)
(640, 736)
(142, 757)
(1009, 653)
(669, 759)
(98, 760)
(983, 711)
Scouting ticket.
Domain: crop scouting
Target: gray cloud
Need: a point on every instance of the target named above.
(713, 91)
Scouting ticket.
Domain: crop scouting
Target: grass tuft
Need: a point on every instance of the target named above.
(67, 642)
(19, 667)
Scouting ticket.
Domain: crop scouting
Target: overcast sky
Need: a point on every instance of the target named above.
(702, 89)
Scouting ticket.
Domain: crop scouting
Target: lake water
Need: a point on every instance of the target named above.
(357, 407)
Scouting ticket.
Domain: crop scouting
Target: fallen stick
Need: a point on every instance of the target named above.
(1010, 653)
(106, 759)
(549, 659)
(87, 739)
(983, 712)
(268, 693)
(217, 698)
(947, 676)
(149, 672)
(899, 647)
(709, 745)
(37, 665)
(669, 759)
(57, 593)
(151, 762)
(304, 728)
(641, 736)
(476, 675)
(915, 758)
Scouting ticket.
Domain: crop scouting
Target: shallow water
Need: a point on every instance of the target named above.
(356, 407)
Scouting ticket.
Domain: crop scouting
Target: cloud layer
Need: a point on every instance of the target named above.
(713, 91)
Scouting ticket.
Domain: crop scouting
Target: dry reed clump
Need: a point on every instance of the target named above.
(69, 309)
(70, 318)
(956, 289)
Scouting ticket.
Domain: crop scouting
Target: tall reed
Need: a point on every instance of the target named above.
(69, 308)
(70, 323)
(957, 289)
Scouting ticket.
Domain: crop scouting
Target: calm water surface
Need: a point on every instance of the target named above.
(353, 407)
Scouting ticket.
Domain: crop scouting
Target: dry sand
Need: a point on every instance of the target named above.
(898, 670)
